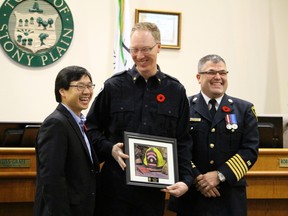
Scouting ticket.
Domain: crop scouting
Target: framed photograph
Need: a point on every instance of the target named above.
(152, 160)
(169, 24)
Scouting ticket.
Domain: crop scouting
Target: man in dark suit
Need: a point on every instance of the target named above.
(67, 167)
(226, 140)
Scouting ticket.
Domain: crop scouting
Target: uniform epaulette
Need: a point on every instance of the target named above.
(114, 76)
(119, 73)
(192, 98)
(172, 78)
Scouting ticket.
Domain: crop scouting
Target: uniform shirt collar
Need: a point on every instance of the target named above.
(207, 99)
(135, 74)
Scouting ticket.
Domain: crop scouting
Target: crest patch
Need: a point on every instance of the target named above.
(254, 112)
(35, 33)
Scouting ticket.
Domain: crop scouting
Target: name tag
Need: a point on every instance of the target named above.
(283, 162)
(195, 119)
(4, 163)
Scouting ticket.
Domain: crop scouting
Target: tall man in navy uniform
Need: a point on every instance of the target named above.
(143, 100)
(225, 146)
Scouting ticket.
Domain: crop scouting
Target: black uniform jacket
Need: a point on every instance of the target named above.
(66, 176)
(128, 103)
(231, 149)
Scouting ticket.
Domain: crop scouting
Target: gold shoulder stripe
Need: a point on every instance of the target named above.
(233, 169)
(240, 169)
(242, 162)
(238, 166)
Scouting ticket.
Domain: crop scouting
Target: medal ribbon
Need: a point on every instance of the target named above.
(233, 119)
(227, 118)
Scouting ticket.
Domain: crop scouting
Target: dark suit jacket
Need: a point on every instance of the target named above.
(232, 152)
(66, 176)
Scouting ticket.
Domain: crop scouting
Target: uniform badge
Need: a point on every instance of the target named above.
(35, 33)
(254, 112)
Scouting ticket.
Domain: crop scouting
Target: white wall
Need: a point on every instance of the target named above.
(250, 35)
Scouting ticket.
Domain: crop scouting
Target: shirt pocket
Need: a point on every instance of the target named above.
(122, 115)
(167, 119)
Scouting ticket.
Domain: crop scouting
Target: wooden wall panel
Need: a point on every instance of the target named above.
(267, 189)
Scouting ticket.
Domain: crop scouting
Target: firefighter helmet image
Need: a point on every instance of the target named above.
(154, 158)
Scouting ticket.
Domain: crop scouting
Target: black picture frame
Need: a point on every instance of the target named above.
(152, 160)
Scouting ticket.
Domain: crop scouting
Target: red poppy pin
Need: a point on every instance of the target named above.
(226, 109)
(160, 98)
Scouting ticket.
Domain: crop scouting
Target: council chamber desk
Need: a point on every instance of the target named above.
(17, 181)
(267, 189)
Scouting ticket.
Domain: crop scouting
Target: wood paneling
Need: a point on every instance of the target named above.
(17, 185)
(267, 189)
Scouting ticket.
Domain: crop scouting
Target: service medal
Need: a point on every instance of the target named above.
(228, 122)
(233, 119)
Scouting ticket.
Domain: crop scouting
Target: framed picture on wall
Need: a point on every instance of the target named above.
(152, 160)
(169, 24)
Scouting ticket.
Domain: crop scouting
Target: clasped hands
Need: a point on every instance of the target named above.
(207, 184)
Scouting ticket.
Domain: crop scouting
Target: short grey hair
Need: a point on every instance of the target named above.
(212, 57)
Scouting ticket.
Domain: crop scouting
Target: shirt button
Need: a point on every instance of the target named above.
(211, 145)
(212, 162)
(213, 130)
(121, 108)
(146, 105)
(144, 123)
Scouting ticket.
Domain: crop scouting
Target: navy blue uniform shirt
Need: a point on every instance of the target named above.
(157, 106)
(217, 145)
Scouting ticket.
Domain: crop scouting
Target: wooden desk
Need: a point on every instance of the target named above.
(267, 189)
(17, 184)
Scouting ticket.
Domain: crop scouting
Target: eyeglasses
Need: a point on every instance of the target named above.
(214, 73)
(144, 50)
(82, 87)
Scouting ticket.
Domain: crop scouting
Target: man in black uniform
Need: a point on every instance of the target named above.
(225, 146)
(143, 100)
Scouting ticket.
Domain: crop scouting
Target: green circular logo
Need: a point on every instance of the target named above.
(35, 33)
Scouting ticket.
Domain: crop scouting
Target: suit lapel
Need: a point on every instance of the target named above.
(75, 127)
